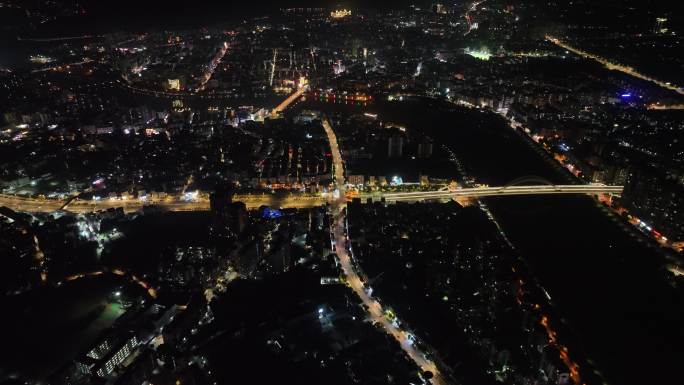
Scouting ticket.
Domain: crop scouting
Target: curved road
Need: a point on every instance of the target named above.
(375, 313)
(613, 66)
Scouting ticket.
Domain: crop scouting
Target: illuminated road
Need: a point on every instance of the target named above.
(252, 201)
(612, 66)
(658, 106)
(62, 67)
(469, 19)
(43, 40)
(212, 67)
(273, 67)
(481, 192)
(293, 200)
(375, 311)
(296, 95)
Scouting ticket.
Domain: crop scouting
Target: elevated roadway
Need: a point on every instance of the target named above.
(294, 200)
(482, 192)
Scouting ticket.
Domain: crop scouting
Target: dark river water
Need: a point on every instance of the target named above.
(607, 283)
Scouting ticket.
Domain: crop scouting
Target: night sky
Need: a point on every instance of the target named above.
(176, 13)
(102, 16)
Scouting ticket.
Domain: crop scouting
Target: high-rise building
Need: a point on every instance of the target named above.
(220, 200)
(620, 176)
(425, 148)
(116, 356)
(598, 175)
(395, 146)
(238, 217)
(220, 203)
(660, 25)
(107, 355)
(100, 350)
(230, 218)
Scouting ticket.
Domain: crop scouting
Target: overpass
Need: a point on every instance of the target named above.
(294, 200)
(482, 192)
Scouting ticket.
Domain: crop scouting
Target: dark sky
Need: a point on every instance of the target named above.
(209, 11)
(140, 15)
(110, 15)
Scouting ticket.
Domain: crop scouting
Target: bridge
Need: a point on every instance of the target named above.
(303, 87)
(293, 200)
(482, 192)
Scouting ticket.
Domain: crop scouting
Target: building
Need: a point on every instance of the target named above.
(220, 200)
(116, 356)
(598, 175)
(356, 180)
(107, 354)
(229, 216)
(395, 146)
(174, 84)
(238, 216)
(620, 176)
(425, 148)
(340, 13)
(307, 116)
(100, 350)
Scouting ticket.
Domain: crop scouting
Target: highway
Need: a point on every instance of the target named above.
(481, 192)
(375, 312)
(613, 66)
(293, 200)
(252, 201)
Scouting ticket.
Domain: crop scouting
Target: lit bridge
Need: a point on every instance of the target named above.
(291, 99)
(294, 200)
(482, 192)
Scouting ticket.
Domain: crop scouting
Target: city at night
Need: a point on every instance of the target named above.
(308, 192)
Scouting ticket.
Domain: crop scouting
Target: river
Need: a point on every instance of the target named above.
(607, 283)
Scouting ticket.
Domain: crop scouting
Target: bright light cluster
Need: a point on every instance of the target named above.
(340, 13)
